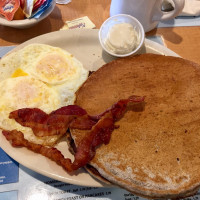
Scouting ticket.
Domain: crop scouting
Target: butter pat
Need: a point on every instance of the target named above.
(122, 38)
(83, 22)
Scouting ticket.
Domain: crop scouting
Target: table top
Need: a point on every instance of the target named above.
(185, 41)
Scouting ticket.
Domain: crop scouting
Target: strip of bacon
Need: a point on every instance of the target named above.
(99, 134)
(41, 123)
(16, 138)
(55, 123)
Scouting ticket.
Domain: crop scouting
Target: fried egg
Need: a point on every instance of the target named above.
(22, 92)
(38, 76)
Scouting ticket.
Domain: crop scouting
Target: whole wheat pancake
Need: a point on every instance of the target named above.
(155, 152)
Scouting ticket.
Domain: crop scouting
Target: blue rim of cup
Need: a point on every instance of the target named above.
(132, 52)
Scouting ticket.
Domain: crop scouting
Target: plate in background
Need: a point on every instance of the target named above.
(27, 23)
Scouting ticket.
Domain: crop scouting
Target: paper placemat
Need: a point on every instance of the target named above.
(181, 21)
(5, 49)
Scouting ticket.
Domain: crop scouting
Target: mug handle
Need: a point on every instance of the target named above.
(178, 7)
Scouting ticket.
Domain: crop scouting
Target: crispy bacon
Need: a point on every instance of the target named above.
(101, 127)
(99, 134)
(16, 138)
(41, 123)
(55, 123)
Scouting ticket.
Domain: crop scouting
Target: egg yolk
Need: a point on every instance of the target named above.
(26, 91)
(19, 72)
(55, 67)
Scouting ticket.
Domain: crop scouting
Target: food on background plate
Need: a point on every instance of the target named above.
(8, 8)
(24, 9)
(38, 76)
(19, 14)
(155, 151)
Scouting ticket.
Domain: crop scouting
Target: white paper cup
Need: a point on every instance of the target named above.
(117, 19)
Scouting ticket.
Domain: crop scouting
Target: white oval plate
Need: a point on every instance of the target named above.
(26, 23)
(85, 46)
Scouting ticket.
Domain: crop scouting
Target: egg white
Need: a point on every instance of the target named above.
(8, 64)
(55, 67)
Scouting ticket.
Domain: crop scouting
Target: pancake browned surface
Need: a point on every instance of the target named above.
(155, 152)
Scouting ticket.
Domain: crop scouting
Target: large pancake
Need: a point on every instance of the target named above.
(156, 151)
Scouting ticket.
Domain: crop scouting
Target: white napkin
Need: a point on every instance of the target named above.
(191, 8)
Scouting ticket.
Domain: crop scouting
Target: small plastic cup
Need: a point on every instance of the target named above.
(117, 19)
